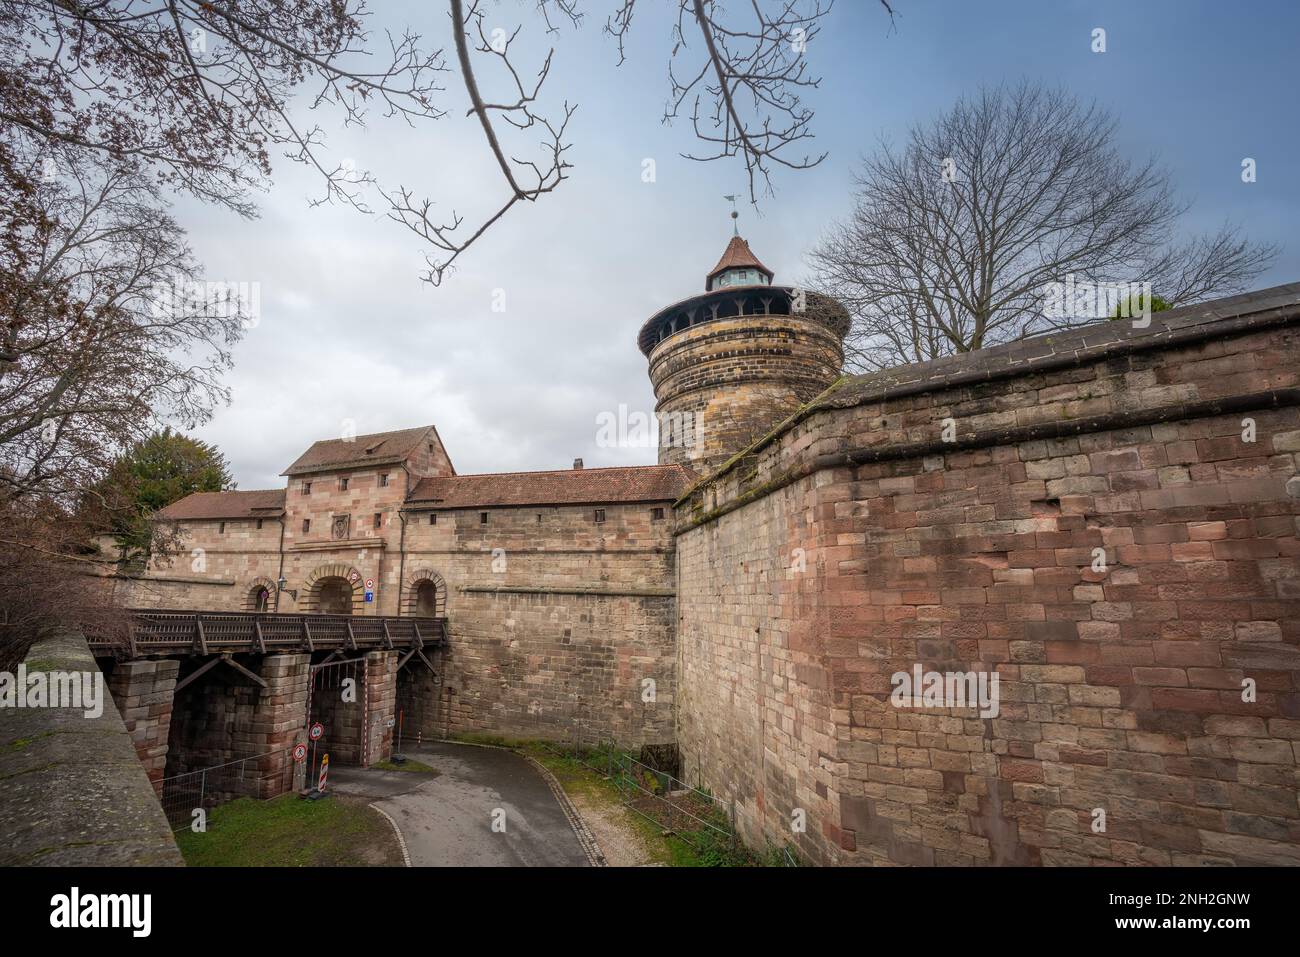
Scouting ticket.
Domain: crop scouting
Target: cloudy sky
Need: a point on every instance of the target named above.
(349, 334)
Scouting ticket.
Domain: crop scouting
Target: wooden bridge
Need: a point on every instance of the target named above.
(154, 633)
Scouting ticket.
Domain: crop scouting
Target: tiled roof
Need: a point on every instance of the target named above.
(643, 483)
(381, 448)
(261, 503)
(738, 256)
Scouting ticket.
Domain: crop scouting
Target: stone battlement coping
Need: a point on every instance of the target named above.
(72, 790)
(1092, 343)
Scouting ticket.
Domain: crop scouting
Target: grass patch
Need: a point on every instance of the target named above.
(672, 837)
(288, 831)
(410, 764)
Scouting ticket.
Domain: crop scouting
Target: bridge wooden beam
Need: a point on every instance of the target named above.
(250, 675)
(196, 674)
(207, 666)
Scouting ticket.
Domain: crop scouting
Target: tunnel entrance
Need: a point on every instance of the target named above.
(216, 740)
(336, 700)
(335, 596)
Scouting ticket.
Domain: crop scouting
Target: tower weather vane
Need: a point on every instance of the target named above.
(735, 227)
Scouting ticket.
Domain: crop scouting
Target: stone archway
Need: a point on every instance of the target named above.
(425, 594)
(334, 590)
(260, 595)
(334, 596)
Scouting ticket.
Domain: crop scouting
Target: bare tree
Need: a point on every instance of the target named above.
(203, 92)
(956, 240)
(104, 325)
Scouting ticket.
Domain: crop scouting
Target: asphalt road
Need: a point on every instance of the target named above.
(447, 820)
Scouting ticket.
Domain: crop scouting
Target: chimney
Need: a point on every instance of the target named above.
(577, 464)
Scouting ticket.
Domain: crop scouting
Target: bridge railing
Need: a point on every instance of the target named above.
(209, 632)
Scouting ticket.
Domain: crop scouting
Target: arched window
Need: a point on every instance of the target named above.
(262, 599)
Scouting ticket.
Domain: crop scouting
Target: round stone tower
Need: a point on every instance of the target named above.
(731, 362)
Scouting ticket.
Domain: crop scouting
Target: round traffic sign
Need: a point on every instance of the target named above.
(370, 584)
(300, 752)
(316, 731)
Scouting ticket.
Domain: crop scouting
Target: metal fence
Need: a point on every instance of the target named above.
(259, 776)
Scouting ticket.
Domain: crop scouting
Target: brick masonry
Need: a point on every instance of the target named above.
(858, 543)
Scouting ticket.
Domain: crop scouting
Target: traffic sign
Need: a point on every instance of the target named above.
(324, 772)
(370, 596)
(299, 752)
(316, 731)
(370, 584)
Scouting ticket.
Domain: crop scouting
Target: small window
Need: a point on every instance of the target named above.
(379, 519)
(343, 484)
(383, 480)
(433, 518)
(656, 514)
(482, 518)
(259, 524)
(221, 529)
(600, 515)
(539, 518)
(306, 525)
(306, 488)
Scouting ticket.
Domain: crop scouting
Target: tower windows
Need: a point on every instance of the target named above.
(306, 525)
(306, 488)
(383, 480)
(482, 518)
(343, 484)
(600, 515)
(656, 514)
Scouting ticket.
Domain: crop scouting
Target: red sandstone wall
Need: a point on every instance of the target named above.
(1121, 690)
(556, 621)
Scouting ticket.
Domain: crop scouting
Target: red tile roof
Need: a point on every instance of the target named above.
(381, 448)
(738, 255)
(642, 483)
(260, 503)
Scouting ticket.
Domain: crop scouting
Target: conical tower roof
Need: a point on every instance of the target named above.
(737, 255)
